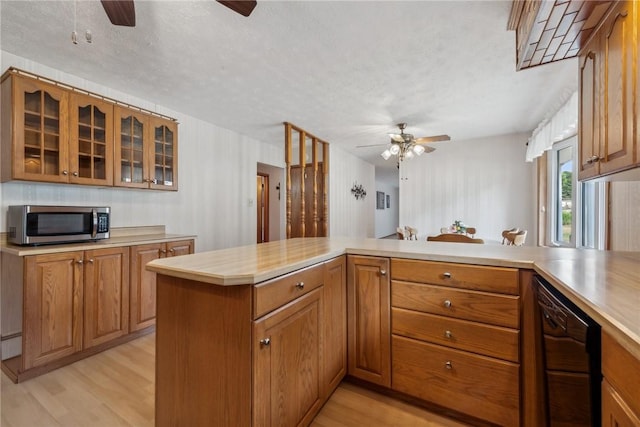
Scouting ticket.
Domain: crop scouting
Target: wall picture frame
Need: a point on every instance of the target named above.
(379, 199)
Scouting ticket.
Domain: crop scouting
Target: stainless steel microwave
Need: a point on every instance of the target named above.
(37, 225)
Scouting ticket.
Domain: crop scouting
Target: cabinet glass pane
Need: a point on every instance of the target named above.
(32, 162)
(137, 173)
(99, 119)
(84, 115)
(125, 127)
(32, 121)
(131, 153)
(31, 138)
(51, 162)
(99, 135)
(51, 106)
(84, 147)
(84, 132)
(32, 102)
(84, 164)
(99, 168)
(52, 142)
(99, 149)
(51, 125)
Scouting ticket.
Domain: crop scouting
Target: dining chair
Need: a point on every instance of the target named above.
(507, 235)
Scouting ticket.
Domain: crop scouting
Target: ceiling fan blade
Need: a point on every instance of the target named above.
(120, 12)
(243, 7)
(427, 139)
(396, 137)
(370, 145)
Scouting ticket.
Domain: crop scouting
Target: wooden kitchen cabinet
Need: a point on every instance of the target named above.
(287, 366)
(335, 324)
(620, 392)
(369, 320)
(106, 295)
(456, 337)
(608, 92)
(53, 295)
(143, 282)
(146, 150)
(35, 130)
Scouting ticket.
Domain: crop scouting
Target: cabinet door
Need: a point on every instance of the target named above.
(91, 141)
(287, 363)
(589, 112)
(53, 307)
(615, 411)
(41, 115)
(335, 324)
(143, 286)
(106, 295)
(163, 154)
(369, 320)
(619, 45)
(181, 247)
(131, 135)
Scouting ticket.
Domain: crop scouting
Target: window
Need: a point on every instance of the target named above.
(577, 209)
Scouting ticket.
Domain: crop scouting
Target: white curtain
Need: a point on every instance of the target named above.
(561, 126)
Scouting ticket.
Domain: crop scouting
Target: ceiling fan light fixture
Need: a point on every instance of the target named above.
(394, 149)
(386, 154)
(409, 154)
(418, 149)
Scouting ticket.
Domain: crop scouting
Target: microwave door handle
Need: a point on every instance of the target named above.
(94, 230)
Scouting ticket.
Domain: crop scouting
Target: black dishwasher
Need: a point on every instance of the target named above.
(571, 349)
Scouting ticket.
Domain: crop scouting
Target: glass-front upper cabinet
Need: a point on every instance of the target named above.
(37, 125)
(145, 151)
(165, 154)
(91, 141)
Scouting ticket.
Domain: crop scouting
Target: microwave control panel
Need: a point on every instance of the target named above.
(103, 222)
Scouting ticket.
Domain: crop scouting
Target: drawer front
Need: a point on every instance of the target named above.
(495, 309)
(478, 386)
(268, 296)
(482, 278)
(494, 341)
(622, 370)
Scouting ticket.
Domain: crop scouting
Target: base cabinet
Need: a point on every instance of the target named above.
(143, 282)
(620, 391)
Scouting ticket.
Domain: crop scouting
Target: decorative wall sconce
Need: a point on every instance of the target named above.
(358, 191)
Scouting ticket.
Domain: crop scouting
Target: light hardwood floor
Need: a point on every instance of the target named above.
(116, 388)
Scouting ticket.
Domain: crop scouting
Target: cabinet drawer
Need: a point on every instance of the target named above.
(622, 370)
(495, 309)
(475, 385)
(494, 341)
(268, 296)
(482, 278)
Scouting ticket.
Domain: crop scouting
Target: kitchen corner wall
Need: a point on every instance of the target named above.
(216, 177)
(485, 183)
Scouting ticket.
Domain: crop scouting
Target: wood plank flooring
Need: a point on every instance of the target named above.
(116, 388)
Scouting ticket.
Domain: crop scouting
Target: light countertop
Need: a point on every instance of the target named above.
(606, 285)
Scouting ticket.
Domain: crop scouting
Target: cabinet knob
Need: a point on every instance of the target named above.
(172, 250)
(90, 260)
(448, 364)
(593, 159)
(75, 174)
(265, 341)
(64, 172)
(80, 262)
(300, 285)
(446, 275)
(448, 334)
(163, 251)
(383, 272)
(447, 303)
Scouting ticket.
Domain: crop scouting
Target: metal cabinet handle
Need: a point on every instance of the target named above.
(80, 261)
(75, 174)
(265, 341)
(593, 159)
(90, 260)
(448, 364)
(300, 285)
(172, 250)
(448, 334)
(64, 172)
(446, 275)
(163, 251)
(383, 272)
(447, 303)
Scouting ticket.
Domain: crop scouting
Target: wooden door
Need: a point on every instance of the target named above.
(106, 295)
(180, 247)
(131, 134)
(619, 46)
(52, 307)
(369, 319)
(335, 324)
(91, 141)
(287, 363)
(615, 411)
(162, 154)
(41, 119)
(589, 111)
(143, 286)
(262, 206)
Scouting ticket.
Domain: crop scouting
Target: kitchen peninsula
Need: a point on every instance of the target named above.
(250, 335)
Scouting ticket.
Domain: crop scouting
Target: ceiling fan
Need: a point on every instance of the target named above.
(123, 12)
(405, 145)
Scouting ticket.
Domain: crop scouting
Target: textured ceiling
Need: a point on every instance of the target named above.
(345, 71)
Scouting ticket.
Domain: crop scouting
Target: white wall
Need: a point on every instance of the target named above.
(387, 219)
(216, 176)
(347, 216)
(483, 182)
